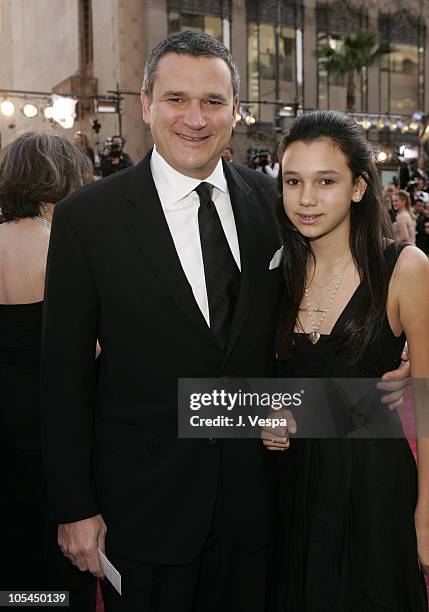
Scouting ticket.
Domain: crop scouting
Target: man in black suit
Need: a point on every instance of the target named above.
(167, 264)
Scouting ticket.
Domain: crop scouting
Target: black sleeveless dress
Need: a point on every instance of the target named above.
(31, 558)
(22, 510)
(345, 521)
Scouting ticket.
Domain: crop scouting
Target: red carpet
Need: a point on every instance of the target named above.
(100, 607)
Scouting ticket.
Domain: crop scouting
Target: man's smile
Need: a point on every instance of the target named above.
(192, 138)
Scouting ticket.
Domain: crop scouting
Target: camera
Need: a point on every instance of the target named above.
(113, 158)
(115, 149)
(261, 158)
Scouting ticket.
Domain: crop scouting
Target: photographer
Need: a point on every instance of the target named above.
(419, 192)
(113, 158)
(263, 163)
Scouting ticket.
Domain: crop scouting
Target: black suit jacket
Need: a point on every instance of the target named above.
(110, 443)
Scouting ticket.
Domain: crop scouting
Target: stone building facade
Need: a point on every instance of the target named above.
(90, 47)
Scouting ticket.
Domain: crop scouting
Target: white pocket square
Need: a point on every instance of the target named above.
(276, 260)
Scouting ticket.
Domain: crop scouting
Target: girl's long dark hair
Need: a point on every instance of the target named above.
(369, 228)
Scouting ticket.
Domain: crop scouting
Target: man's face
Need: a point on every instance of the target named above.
(192, 112)
(419, 207)
(227, 155)
(118, 142)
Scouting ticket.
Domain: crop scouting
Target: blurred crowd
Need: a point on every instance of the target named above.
(257, 159)
(110, 158)
(407, 202)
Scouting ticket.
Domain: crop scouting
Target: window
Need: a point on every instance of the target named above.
(196, 23)
(332, 87)
(272, 59)
(210, 17)
(85, 22)
(402, 71)
(334, 22)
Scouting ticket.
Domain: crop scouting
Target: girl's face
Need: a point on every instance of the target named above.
(398, 202)
(318, 188)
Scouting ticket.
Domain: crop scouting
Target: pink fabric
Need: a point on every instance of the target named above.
(408, 423)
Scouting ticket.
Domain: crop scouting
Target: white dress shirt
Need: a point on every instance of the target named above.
(180, 204)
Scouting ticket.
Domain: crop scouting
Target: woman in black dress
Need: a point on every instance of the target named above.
(353, 519)
(36, 172)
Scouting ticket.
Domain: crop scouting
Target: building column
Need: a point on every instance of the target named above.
(141, 27)
(309, 55)
(239, 42)
(373, 71)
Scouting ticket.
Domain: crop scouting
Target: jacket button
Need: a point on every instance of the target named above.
(212, 440)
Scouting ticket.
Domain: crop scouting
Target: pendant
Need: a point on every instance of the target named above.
(314, 337)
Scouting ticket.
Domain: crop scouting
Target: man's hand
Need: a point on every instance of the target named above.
(79, 541)
(395, 383)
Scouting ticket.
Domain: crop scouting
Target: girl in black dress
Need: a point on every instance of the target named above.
(353, 513)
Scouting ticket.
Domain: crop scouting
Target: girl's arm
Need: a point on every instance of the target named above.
(412, 282)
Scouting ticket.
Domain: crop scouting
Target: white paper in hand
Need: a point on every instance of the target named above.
(111, 573)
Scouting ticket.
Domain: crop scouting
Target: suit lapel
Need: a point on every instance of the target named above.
(148, 226)
(245, 215)
(149, 229)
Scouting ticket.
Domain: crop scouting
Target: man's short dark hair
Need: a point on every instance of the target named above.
(120, 137)
(38, 168)
(198, 44)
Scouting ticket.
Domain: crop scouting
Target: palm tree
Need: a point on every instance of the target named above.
(357, 52)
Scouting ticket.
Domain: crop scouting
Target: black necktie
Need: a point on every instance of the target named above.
(220, 269)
